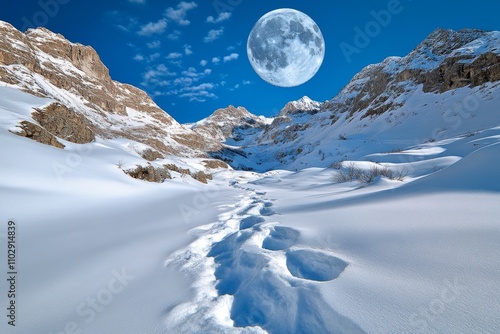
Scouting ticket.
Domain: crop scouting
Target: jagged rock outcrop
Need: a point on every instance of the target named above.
(454, 66)
(201, 177)
(459, 71)
(151, 155)
(64, 123)
(57, 121)
(215, 164)
(37, 133)
(177, 169)
(149, 173)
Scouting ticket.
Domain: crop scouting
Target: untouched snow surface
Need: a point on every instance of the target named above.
(278, 252)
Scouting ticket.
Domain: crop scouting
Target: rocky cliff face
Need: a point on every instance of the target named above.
(445, 60)
(47, 65)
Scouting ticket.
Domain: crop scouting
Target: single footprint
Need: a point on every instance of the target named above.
(250, 221)
(314, 265)
(280, 238)
(266, 210)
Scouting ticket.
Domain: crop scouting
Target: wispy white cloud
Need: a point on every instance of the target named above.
(157, 76)
(247, 82)
(139, 57)
(198, 95)
(213, 35)
(187, 49)
(177, 63)
(222, 17)
(232, 56)
(183, 81)
(153, 28)
(174, 35)
(186, 85)
(235, 87)
(121, 20)
(140, 2)
(174, 55)
(154, 57)
(192, 73)
(203, 86)
(154, 44)
(203, 63)
(215, 60)
(178, 14)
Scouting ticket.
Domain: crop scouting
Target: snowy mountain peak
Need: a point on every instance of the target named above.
(230, 112)
(44, 33)
(229, 123)
(305, 104)
(443, 41)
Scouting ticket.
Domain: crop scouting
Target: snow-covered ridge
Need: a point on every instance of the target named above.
(47, 65)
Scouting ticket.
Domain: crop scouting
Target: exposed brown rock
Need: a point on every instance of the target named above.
(202, 177)
(37, 133)
(215, 164)
(457, 72)
(370, 90)
(151, 155)
(175, 168)
(198, 176)
(197, 141)
(149, 173)
(64, 123)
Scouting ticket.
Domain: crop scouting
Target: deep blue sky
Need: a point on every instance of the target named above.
(162, 45)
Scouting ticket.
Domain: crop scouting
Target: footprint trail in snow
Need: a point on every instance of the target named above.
(250, 277)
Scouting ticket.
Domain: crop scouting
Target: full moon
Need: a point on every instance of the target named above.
(286, 48)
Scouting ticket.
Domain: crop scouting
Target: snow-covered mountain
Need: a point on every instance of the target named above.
(449, 85)
(47, 65)
(448, 70)
(230, 124)
(305, 104)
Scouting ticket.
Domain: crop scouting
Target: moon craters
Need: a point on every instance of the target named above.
(286, 48)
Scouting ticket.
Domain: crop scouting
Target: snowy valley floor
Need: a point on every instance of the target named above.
(279, 252)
